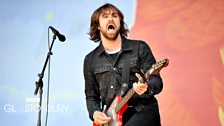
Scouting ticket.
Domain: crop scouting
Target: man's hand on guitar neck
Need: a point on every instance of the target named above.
(100, 118)
(140, 87)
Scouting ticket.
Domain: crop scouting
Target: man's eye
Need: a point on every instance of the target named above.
(115, 15)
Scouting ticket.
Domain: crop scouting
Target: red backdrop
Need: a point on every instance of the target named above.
(191, 34)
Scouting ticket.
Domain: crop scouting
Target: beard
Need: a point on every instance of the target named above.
(110, 36)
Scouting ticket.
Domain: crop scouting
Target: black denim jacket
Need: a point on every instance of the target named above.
(100, 72)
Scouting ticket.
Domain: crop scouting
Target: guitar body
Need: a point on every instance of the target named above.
(116, 118)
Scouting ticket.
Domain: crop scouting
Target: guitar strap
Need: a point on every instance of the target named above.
(111, 91)
(123, 79)
(125, 75)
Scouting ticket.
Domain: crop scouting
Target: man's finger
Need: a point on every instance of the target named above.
(139, 77)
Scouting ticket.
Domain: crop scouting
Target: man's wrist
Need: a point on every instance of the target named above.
(94, 113)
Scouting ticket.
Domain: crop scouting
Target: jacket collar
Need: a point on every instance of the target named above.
(125, 46)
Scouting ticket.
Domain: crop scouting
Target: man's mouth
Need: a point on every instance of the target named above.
(110, 27)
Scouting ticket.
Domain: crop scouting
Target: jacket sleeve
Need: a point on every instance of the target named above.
(91, 88)
(146, 60)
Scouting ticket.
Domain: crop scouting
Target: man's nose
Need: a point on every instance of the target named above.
(110, 18)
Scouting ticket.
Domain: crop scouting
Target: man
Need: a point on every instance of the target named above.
(115, 62)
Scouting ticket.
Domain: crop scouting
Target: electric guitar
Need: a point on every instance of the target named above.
(119, 104)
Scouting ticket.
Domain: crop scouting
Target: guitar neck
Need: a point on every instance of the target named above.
(155, 69)
(124, 100)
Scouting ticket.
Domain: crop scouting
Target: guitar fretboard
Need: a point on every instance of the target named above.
(125, 99)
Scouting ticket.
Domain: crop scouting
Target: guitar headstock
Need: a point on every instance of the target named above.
(155, 69)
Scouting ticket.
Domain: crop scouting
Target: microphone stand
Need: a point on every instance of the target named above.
(39, 83)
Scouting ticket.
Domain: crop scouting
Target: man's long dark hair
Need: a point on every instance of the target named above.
(94, 32)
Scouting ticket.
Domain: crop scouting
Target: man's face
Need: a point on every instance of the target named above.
(109, 24)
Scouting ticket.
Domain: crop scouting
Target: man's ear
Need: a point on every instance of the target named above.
(98, 28)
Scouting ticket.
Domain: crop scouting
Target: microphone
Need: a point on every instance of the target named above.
(60, 36)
